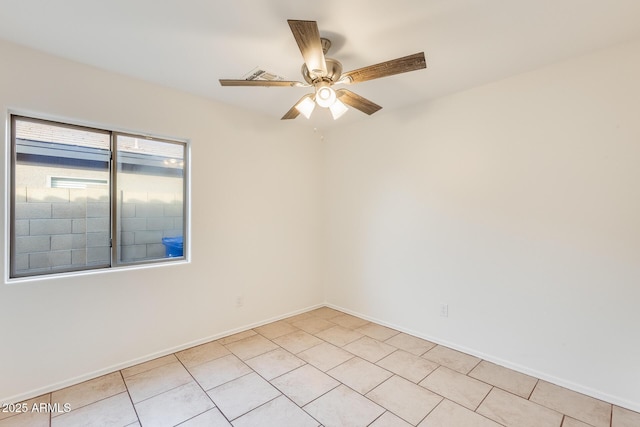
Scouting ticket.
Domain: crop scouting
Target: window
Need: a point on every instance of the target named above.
(84, 198)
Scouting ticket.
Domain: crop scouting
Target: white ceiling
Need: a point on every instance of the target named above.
(190, 44)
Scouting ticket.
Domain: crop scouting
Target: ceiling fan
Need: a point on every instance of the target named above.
(322, 73)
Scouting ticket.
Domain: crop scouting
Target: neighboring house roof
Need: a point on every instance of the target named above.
(37, 131)
(96, 139)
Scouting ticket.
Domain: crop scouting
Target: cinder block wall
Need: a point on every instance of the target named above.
(59, 227)
(145, 219)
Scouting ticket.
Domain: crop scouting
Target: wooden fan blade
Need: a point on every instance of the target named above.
(227, 82)
(387, 68)
(357, 101)
(308, 38)
(291, 114)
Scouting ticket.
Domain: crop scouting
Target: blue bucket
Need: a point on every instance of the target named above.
(173, 246)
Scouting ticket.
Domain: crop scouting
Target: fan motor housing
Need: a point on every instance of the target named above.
(334, 71)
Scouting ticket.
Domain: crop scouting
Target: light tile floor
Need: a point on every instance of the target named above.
(323, 367)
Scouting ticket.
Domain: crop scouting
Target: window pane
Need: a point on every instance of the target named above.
(61, 209)
(150, 198)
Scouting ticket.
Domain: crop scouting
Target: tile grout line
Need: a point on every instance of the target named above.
(340, 383)
(483, 399)
(150, 369)
(318, 397)
(161, 393)
(431, 411)
(474, 367)
(507, 391)
(203, 390)
(92, 403)
(533, 389)
(135, 411)
(377, 418)
(611, 417)
(375, 403)
(499, 423)
(253, 409)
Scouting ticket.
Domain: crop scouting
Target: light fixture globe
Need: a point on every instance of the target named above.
(325, 95)
(306, 106)
(338, 109)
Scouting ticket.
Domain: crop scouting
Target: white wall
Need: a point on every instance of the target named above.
(518, 204)
(255, 231)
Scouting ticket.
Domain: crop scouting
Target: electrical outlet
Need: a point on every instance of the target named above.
(444, 310)
(239, 301)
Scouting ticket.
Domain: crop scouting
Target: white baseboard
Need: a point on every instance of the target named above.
(615, 400)
(109, 369)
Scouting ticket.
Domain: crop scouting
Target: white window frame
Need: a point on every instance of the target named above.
(114, 263)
